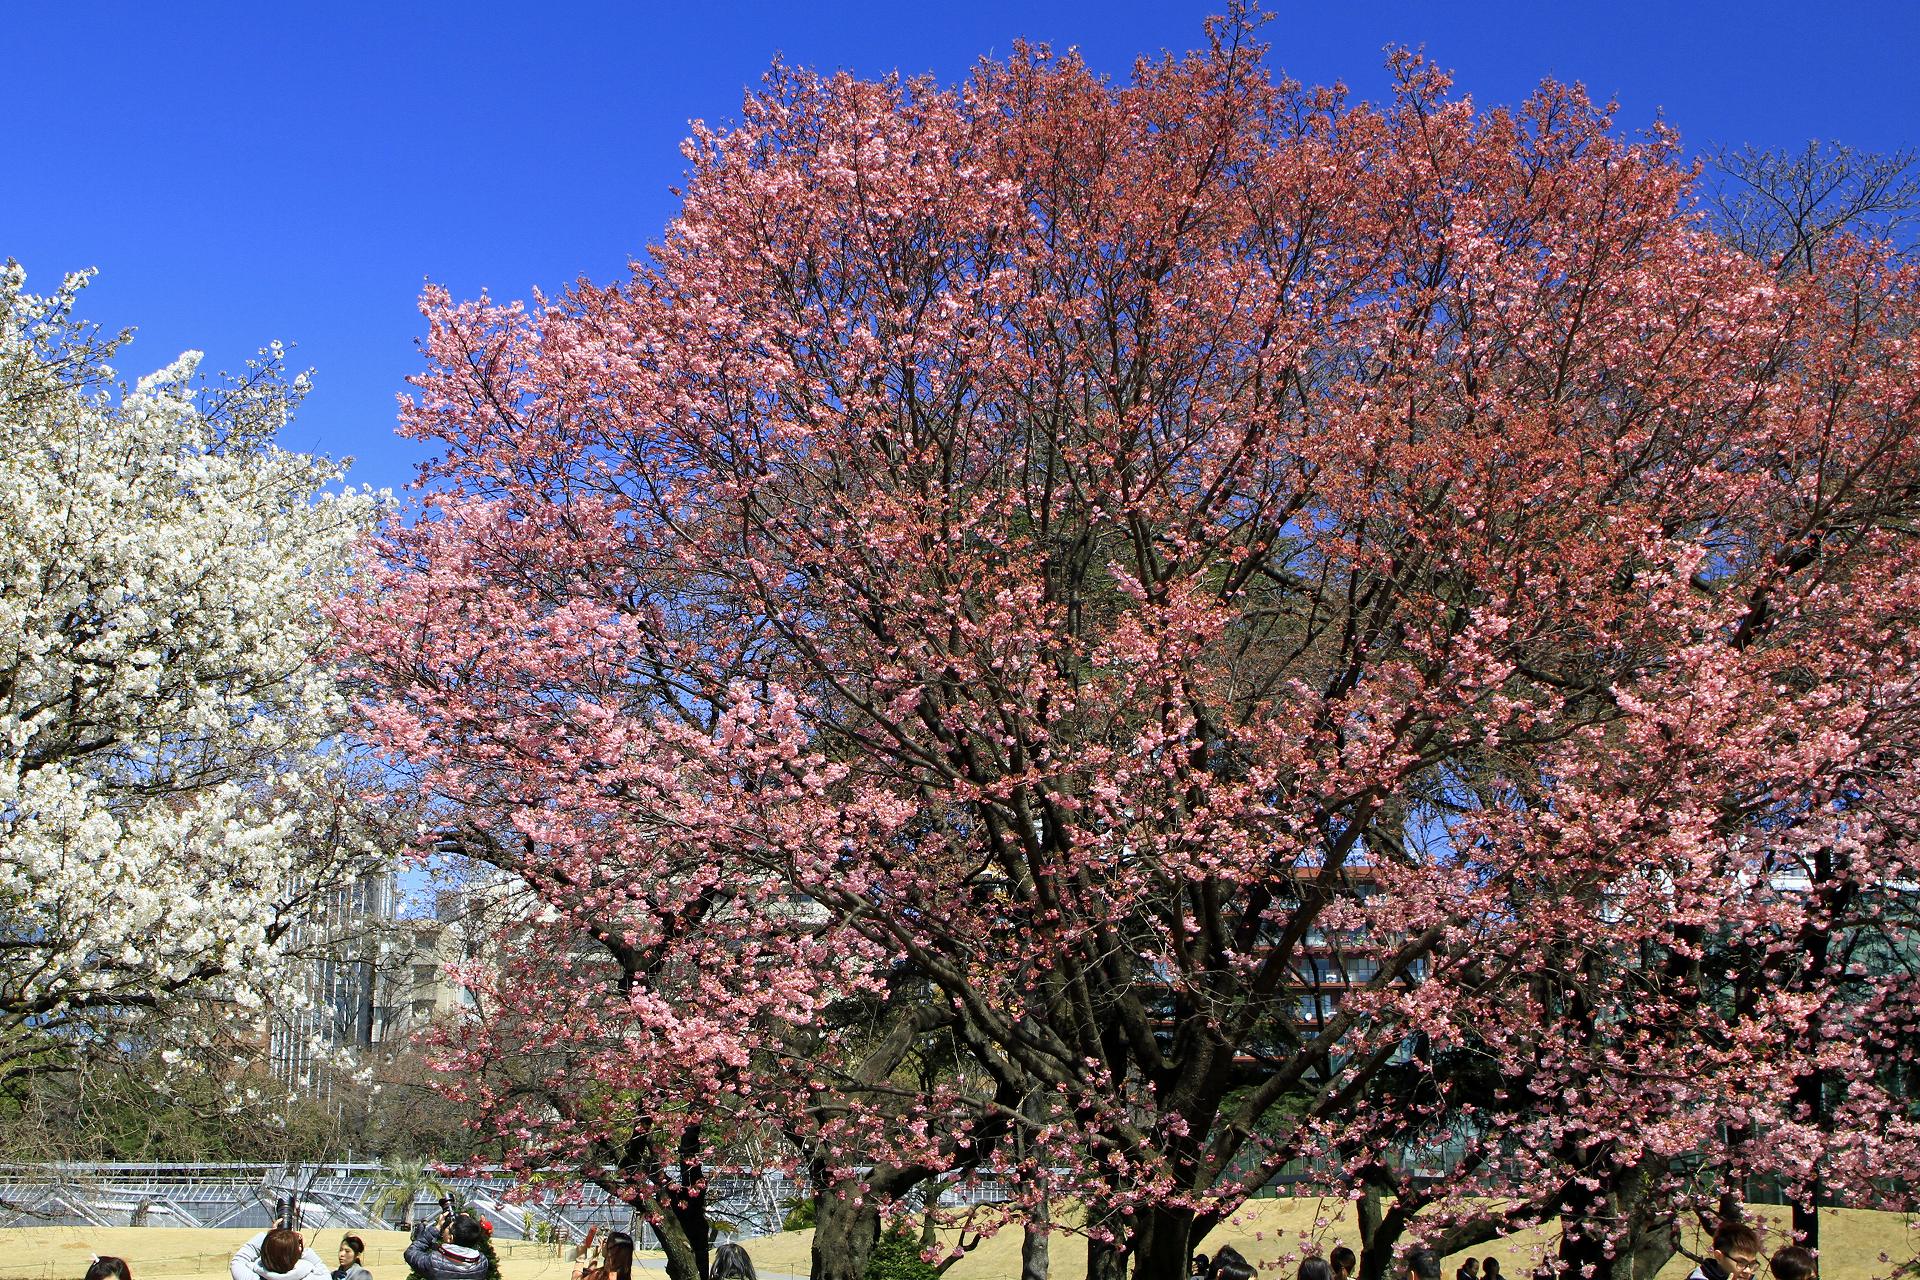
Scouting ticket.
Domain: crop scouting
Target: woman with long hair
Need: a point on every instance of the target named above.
(616, 1259)
(730, 1262)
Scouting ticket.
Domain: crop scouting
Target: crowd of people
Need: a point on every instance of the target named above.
(1735, 1256)
(451, 1247)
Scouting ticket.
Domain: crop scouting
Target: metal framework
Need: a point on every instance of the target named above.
(335, 1196)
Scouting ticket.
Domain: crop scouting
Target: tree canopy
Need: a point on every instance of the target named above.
(1282, 626)
(164, 568)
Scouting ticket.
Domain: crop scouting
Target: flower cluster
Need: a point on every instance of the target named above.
(162, 571)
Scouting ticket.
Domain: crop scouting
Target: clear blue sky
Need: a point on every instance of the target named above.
(295, 171)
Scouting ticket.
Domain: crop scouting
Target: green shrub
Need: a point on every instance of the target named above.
(897, 1257)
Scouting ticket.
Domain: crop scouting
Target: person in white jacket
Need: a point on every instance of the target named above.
(279, 1254)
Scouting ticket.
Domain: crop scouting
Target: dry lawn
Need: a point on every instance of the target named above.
(1860, 1245)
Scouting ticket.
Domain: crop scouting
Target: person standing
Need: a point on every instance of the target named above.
(1735, 1256)
(1343, 1260)
(108, 1267)
(451, 1247)
(1469, 1270)
(616, 1260)
(351, 1247)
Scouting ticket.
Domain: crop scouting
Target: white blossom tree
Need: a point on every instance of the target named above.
(164, 712)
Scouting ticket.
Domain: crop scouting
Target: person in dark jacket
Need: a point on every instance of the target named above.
(448, 1248)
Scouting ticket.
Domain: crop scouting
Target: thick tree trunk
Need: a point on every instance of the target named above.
(930, 1222)
(691, 1215)
(1161, 1240)
(683, 1262)
(1035, 1238)
(1035, 1259)
(844, 1234)
(1105, 1261)
(1810, 1086)
(1380, 1230)
(1806, 1218)
(1583, 1225)
(1612, 1229)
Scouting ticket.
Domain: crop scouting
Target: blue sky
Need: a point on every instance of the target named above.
(241, 173)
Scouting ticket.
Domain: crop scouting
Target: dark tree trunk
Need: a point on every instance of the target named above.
(1034, 1243)
(844, 1233)
(691, 1213)
(1161, 1239)
(930, 1222)
(682, 1261)
(1583, 1217)
(1105, 1261)
(1035, 1238)
(1810, 1087)
(1380, 1230)
(1806, 1218)
(1593, 1234)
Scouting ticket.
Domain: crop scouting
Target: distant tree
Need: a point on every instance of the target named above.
(403, 1182)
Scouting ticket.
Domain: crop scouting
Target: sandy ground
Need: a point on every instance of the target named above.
(1860, 1246)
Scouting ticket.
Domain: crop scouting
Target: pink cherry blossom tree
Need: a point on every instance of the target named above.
(1234, 593)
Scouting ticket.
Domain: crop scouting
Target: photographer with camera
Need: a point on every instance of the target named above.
(451, 1247)
(278, 1254)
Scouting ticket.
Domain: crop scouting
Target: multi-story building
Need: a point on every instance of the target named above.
(374, 979)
